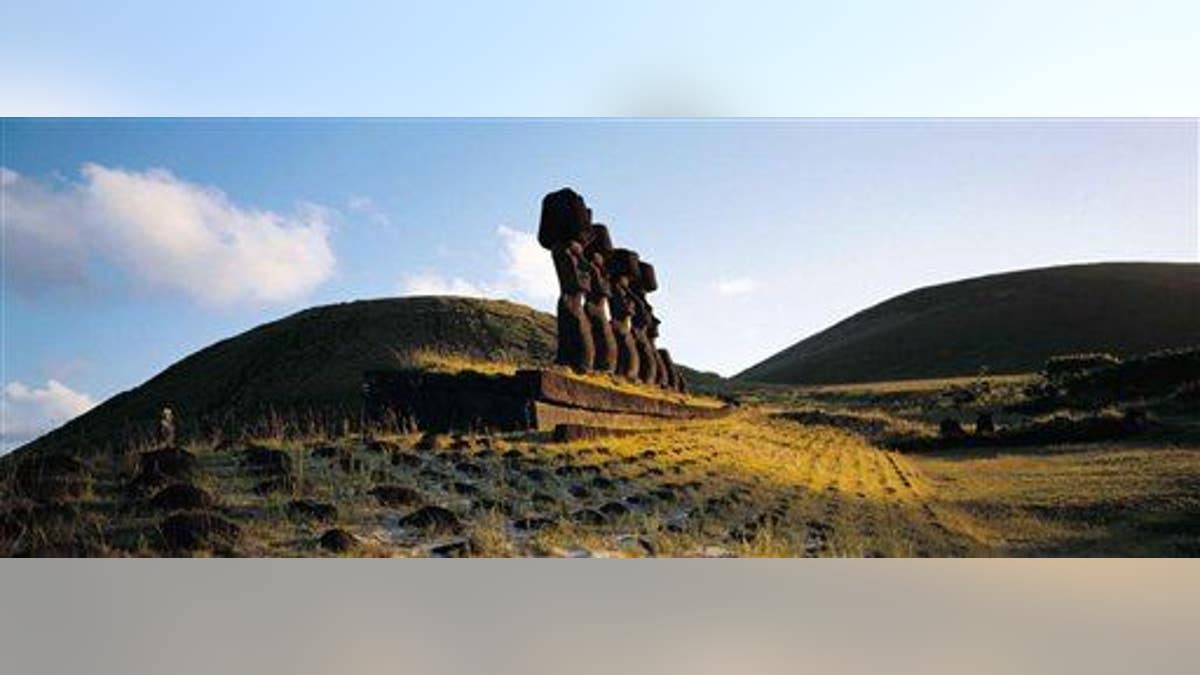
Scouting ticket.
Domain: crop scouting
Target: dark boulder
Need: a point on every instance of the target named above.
(337, 540)
(396, 495)
(197, 530)
(181, 497)
(51, 477)
(308, 509)
(432, 519)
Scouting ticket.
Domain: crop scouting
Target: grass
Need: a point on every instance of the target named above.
(793, 472)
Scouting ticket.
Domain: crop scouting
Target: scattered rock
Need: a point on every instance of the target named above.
(432, 518)
(470, 469)
(984, 424)
(308, 509)
(460, 547)
(664, 494)
(589, 517)
(532, 523)
(52, 477)
(638, 501)
(950, 428)
(633, 542)
(408, 460)
(396, 495)
(327, 452)
(602, 483)
(579, 491)
(266, 461)
(614, 509)
(196, 530)
(170, 462)
(431, 441)
(464, 489)
(337, 540)
(181, 497)
(275, 484)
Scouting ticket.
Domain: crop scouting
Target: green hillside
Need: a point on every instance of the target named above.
(1007, 323)
(307, 367)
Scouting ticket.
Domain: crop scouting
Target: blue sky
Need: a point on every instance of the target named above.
(132, 243)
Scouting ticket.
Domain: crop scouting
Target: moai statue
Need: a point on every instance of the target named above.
(649, 284)
(597, 302)
(642, 324)
(166, 427)
(576, 348)
(621, 264)
(565, 218)
(674, 379)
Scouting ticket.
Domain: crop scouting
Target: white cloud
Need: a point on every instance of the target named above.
(526, 274)
(366, 207)
(528, 268)
(433, 284)
(738, 286)
(166, 233)
(29, 412)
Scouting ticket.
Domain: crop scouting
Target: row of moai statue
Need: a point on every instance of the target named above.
(605, 323)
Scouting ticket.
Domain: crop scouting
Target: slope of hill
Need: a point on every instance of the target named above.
(1007, 323)
(312, 363)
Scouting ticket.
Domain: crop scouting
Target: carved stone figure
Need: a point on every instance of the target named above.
(575, 346)
(605, 323)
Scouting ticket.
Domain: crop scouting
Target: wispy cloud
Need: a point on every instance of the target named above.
(367, 208)
(164, 232)
(434, 284)
(526, 275)
(736, 286)
(28, 412)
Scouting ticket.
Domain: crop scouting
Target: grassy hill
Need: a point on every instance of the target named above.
(1007, 323)
(308, 366)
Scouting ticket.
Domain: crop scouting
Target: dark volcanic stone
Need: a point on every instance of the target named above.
(337, 540)
(649, 454)
(543, 500)
(51, 477)
(407, 460)
(195, 530)
(950, 428)
(614, 509)
(284, 483)
(538, 476)
(432, 518)
(464, 489)
(470, 469)
(638, 500)
(326, 452)
(307, 509)
(181, 497)
(266, 460)
(173, 462)
(602, 483)
(456, 548)
(579, 491)
(532, 523)
(664, 494)
(396, 495)
(984, 424)
(589, 517)
(431, 441)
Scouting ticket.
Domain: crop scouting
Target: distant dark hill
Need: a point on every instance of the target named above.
(310, 364)
(1007, 323)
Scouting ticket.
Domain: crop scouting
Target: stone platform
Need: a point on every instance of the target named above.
(528, 400)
